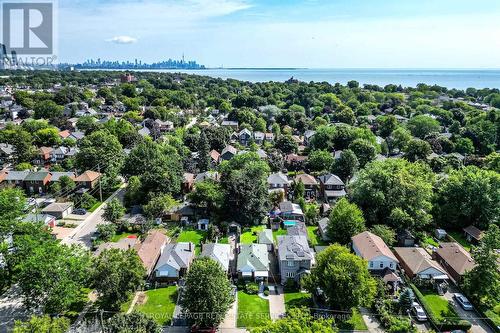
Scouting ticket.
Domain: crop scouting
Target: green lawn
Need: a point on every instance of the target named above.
(494, 314)
(460, 238)
(193, 236)
(430, 241)
(355, 323)
(95, 206)
(297, 299)
(253, 311)
(248, 237)
(439, 306)
(314, 239)
(279, 232)
(121, 235)
(224, 240)
(160, 304)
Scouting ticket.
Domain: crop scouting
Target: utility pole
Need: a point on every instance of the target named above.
(100, 187)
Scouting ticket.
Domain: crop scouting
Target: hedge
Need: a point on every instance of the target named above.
(463, 325)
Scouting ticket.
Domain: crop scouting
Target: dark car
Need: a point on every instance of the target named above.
(80, 211)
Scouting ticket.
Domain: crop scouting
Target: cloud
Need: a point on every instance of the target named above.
(122, 40)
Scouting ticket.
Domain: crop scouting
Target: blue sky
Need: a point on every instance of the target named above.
(307, 33)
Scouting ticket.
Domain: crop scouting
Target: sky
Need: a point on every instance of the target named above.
(293, 33)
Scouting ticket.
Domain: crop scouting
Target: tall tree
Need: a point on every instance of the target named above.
(364, 151)
(394, 188)
(100, 148)
(116, 274)
(417, 150)
(422, 125)
(42, 324)
(136, 322)
(207, 291)
(346, 165)
(320, 160)
(114, 211)
(343, 277)
(345, 221)
(203, 159)
(298, 320)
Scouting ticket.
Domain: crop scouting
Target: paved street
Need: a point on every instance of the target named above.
(11, 309)
(83, 233)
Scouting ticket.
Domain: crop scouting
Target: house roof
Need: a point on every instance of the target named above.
(306, 179)
(229, 149)
(213, 175)
(44, 218)
(150, 249)
(64, 134)
(290, 207)
(331, 179)
(371, 246)
(176, 255)
(16, 175)
(323, 224)
(266, 236)
(57, 207)
(416, 259)
(456, 257)
(37, 176)
(88, 176)
(295, 158)
(217, 252)
(293, 248)
(254, 256)
(299, 229)
(188, 177)
(474, 232)
(215, 155)
(45, 150)
(262, 154)
(278, 178)
(6, 148)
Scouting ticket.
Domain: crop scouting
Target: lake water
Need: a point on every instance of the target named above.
(460, 79)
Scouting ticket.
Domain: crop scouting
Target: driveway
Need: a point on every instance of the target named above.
(231, 316)
(478, 325)
(11, 309)
(277, 304)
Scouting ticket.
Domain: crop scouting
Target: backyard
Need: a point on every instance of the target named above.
(253, 311)
(460, 238)
(312, 234)
(249, 235)
(297, 299)
(121, 235)
(193, 236)
(355, 322)
(279, 232)
(158, 304)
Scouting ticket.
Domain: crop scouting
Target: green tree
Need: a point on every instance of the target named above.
(12, 205)
(159, 205)
(299, 190)
(135, 322)
(343, 277)
(203, 159)
(345, 221)
(286, 144)
(417, 150)
(106, 231)
(320, 160)
(364, 151)
(399, 139)
(47, 109)
(134, 193)
(422, 125)
(346, 165)
(298, 320)
(47, 137)
(482, 283)
(406, 299)
(207, 195)
(42, 324)
(114, 211)
(464, 146)
(87, 201)
(468, 196)
(385, 232)
(492, 162)
(386, 125)
(52, 277)
(392, 186)
(100, 148)
(115, 275)
(207, 291)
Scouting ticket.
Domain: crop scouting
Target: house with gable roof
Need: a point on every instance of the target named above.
(374, 250)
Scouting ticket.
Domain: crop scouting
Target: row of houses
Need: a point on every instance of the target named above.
(39, 182)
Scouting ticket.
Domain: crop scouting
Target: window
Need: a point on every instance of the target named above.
(371, 264)
(381, 265)
(290, 274)
(290, 263)
(390, 265)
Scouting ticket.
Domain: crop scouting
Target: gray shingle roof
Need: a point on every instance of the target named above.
(293, 248)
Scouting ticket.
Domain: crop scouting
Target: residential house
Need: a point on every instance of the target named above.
(373, 249)
(37, 182)
(296, 228)
(59, 209)
(295, 162)
(188, 182)
(278, 182)
(310, 184)
(231, 124)
(164, 126)
(262, 153)
(269, 137)
(228, 153)
(43, 155)
(253, 261)
(291, 211)
(77, 135)
(149, 251)
(89, 179)
(244, 137)
(56, 175)
(454, 259)
(220, 253)
(473, 234)
(417, 263)
(323, 228)
(174, 261)
(207, 175)
(266, 237)
(123, 244)
(214, 158)
(14, 178)
(259, 137)
(64, 134)
(331, 187)
(294, 256)
(6, 153)
(46, 219)
(308, 135)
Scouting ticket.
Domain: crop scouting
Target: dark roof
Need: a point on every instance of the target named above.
(36, 176)
(474, 232)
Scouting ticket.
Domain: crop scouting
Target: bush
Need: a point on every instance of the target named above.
(289, 285)
(252, 288)
(266, 292)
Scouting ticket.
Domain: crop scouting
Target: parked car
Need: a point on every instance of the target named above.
(418, 312)
(463, 301)
(80, 211)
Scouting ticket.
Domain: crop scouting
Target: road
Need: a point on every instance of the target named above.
(83, 233)
(11, 309)
(478, 325)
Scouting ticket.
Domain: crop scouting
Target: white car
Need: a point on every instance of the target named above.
(463, 301)
(418, 311)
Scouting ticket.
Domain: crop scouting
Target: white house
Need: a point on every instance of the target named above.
(373, 249)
